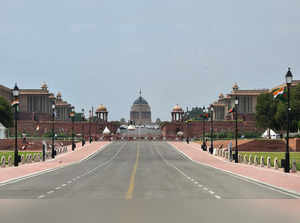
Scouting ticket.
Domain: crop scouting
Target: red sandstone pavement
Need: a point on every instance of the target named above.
(80, 153)
(277, 178)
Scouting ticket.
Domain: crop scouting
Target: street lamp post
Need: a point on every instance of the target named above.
(72, 115)
(53, 136)
(289, 79)
(211, 129)
(82, 128)
(90, 120)
(236, 103)
(203, 126)
(16, 93)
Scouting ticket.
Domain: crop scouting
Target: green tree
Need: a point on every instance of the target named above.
(266, 109)
(6, 114)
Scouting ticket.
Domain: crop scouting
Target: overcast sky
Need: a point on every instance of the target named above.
(178, 52)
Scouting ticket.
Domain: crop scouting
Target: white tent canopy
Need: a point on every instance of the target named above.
(131, 127)
(2, 131)
(272, 133)
(106, 131)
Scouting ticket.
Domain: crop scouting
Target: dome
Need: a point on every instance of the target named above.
(235, 87)
(221, 96)
(101, 108)
(140, 101)
(177, 108)
(44, 86)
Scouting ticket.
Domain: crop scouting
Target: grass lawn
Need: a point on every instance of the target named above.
(7, 153)
(279, 155)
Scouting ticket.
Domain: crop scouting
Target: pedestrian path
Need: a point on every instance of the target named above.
(277, 178)
(23, 171)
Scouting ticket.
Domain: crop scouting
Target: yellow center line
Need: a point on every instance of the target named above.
(132, 178)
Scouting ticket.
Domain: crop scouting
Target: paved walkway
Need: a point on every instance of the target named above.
(277, 178)
(80, 153)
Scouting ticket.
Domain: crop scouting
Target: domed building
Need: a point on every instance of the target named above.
(140, 112)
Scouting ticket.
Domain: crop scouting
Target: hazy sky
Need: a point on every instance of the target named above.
(186, 52)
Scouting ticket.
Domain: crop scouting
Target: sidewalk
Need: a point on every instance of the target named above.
(80, 153)
(277, 178)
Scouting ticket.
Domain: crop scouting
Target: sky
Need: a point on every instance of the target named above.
(178, 52)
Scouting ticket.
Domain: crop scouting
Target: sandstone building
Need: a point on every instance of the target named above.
(140, 112)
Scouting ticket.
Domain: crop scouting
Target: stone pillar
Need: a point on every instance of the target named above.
(245, 159)
(276, 165)
(262, 161)
(250, 159)
(294, 167)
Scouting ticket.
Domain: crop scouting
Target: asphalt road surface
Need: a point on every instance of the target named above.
(140, 174)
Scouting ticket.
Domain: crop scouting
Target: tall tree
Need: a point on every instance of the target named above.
(6, 114)
(265, 111)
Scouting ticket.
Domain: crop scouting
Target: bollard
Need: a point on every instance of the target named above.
(262, 161)
(23, 159)
(240, 158)
(3, 162)
(226, 155)
(250, 159)
(10, 160)
(269, 162)
(294, 166)
(28, 158)
(39, 158)
(255, 160)
(34, 158)
(245, 159)
(276, 165)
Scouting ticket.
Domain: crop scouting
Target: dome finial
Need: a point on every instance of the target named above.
(140, 92)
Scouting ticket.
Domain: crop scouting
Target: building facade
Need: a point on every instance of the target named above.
(247, 104)
(5, 93)
(140, 112)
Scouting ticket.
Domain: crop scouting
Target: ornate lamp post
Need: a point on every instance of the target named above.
(16, 94)
(82, 128)
(90, 120)
(289, 79)
(236, 103)
(72, 115)
(203, 127)
(53, 136)
(211, 129)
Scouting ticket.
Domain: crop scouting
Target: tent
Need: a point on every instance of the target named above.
(106, 131)
(273, 134)
(2, 131)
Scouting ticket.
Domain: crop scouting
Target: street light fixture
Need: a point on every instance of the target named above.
(90, 120)
(289, 80)
(53, 153)
(236, 104)
(203, 126)
(211, 129)
(16, 94)
(82, 127)
(72, 115)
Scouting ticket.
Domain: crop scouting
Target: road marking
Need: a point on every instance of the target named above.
(205, 188)
(41, 197)
(69, 182)
(218, 197)
(64, 185)
(281, 190)
(196, 183)
(50, 192)
(74, 179)
(132, 179)
(58, 188)
(211, 192)
(200, 185)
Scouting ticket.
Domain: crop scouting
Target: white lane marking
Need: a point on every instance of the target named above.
(180, 171)
(50, 192)
(41, 197)
(69, 182)
(58, 188)
(74, 179)
(211, 192)
(64, 185)
(200, 185)
(196, 183)
(281, 190)
(218, 197)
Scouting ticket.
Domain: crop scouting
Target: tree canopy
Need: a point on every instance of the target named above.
(272, 113)
(6, 114)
